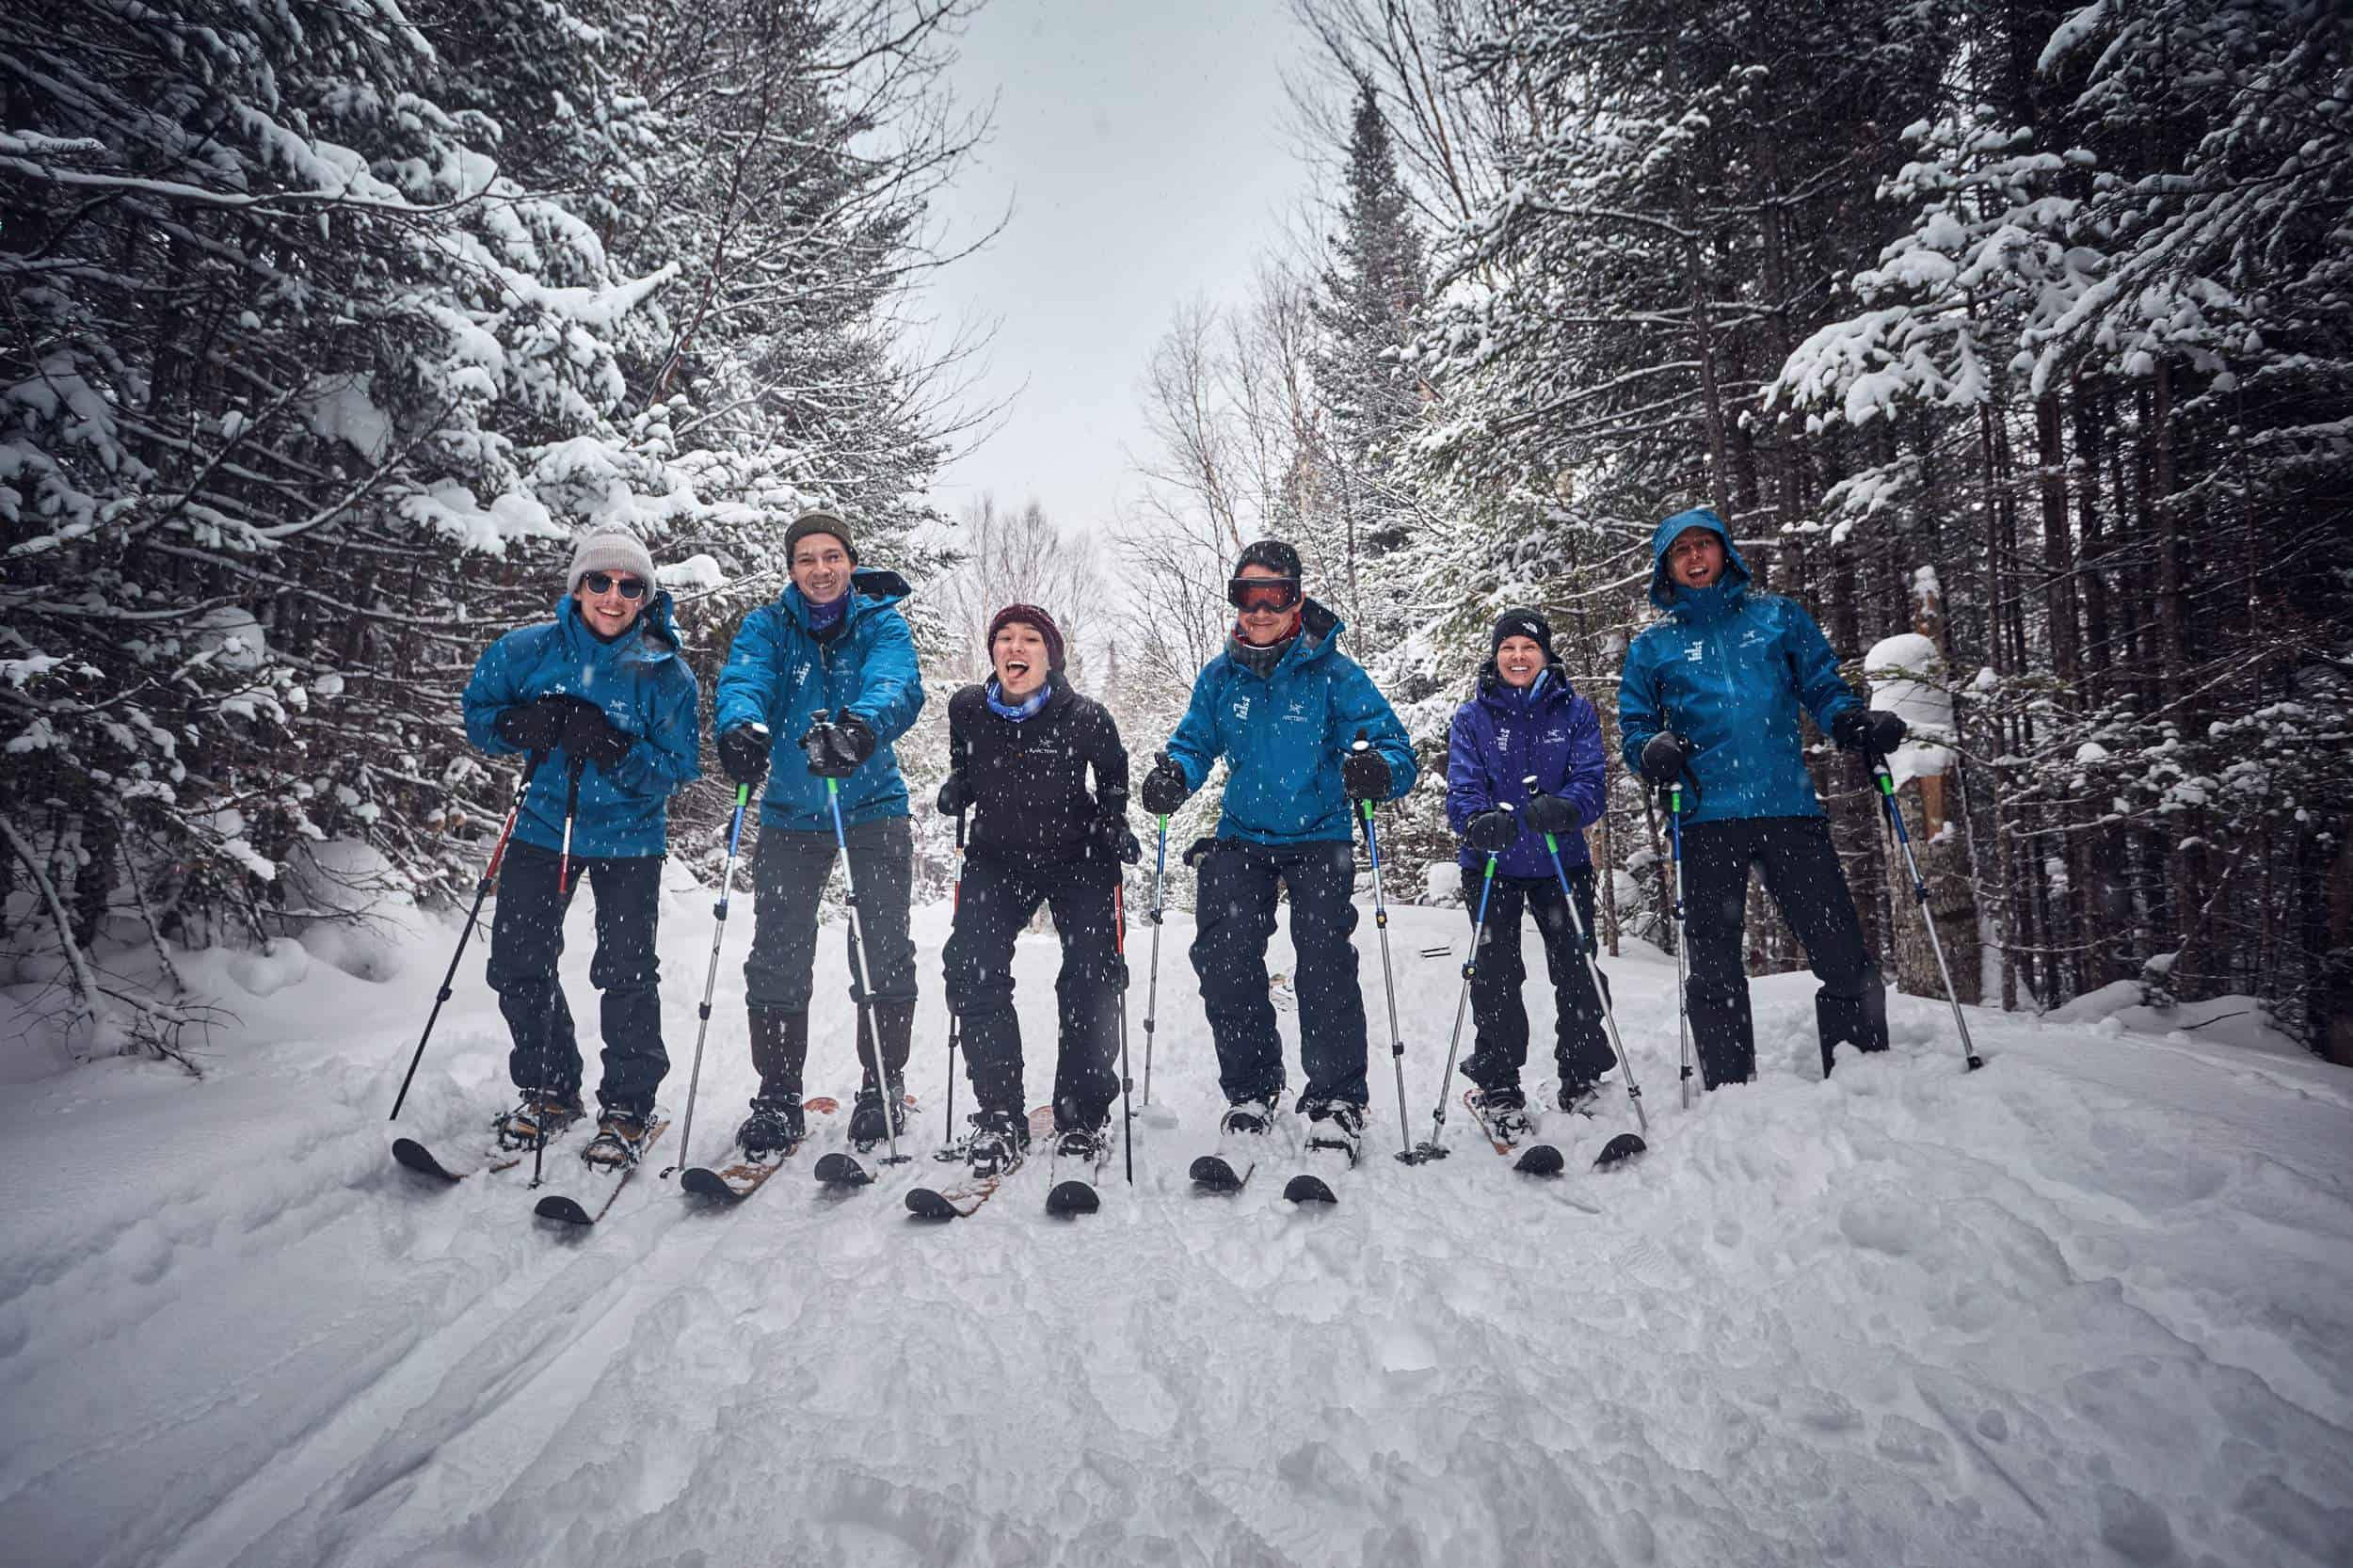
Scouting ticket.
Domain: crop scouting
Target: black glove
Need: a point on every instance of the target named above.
(1164, 787)
(1555, 815)
(1366, 774)
(1112, 836)
(1492, 831)
(1664, 758)
(535, 725)
(838, 748)
(1198, 851)
(955, 794)
(1872, 730)
(743, 753)
(592, 737)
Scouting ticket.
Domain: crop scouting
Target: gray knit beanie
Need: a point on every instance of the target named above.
(609, 549)
(818, 522)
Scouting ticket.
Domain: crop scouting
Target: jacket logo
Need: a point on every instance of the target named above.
(1695, 653)
(1752, 637)
(1295, 711)
(1241, 708)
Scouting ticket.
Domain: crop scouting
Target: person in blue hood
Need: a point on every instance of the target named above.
(1710, 695)
(816, 688)
(602, 703)
(1286, 710)
(1526, 727)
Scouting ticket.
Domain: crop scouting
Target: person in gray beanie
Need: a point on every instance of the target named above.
(601, 702)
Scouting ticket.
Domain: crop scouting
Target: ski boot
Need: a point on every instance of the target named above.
(774, 1129)
(539, 1118)
(999, 1141)
(1504, 1111)
(866, 1116)
(1335, 1124)
(620, 1140)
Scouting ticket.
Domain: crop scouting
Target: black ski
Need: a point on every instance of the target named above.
(1304, 1188)
(738, 1179)
(962, 1200)
(491, 1157)
(845, 1171)
(571, 1211)
(1536, 1160)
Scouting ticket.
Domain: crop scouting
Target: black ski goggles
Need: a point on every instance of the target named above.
(1262, 592)
(604, 582)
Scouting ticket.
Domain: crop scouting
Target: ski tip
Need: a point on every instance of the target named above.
(566, 1211)
(412, 1156)
(1540, 1159)
(1308, 1189)
(702, 1182)
(924, 1204)
(840, 1170)
(824, 1105)
(1212, 1172)
(1624, 1147)
(1072, 1198)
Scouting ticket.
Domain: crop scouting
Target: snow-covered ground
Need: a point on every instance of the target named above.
(2093, 1304)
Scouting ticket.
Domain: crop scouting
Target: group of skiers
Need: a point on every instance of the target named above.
(817, 685)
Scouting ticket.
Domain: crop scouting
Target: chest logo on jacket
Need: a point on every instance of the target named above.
(1241, 708)
(1295, 711)
(1695, 653)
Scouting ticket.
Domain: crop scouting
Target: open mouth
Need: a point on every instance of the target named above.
(1017, 668)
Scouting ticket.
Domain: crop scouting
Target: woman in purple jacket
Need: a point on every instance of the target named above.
(1526, 722)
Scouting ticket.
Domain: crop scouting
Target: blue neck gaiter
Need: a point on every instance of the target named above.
(1016, 712)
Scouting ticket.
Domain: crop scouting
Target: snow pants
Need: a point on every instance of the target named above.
(1580, 1050)
(1235, 907)
(527, 938)
(994, 899)
(789, 872)
(1804, 876)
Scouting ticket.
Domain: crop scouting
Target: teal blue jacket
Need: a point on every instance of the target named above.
(780, 674)
(1283, 736)
(641, 682)
(1728, 670)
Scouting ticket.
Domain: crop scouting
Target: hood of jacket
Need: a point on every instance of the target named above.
(1719, 598)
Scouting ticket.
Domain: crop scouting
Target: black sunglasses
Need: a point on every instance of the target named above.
(1262, 592)
(604, 582)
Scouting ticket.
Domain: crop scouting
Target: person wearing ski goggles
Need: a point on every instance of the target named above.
(1306, 739)
(601, 702)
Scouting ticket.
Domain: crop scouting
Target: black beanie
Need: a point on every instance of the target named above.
(1273, 554)
(1523, 623)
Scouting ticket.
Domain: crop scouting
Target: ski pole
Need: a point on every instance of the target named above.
(1682, 956)
(1625, 1143)
(473, 917)
(1920, 895)
(1388, 977)
(865, 984)
(1435, 1149)
(1119, 945)
(948, 1126)
(572, 809)
(710, 979)
(1152, 987)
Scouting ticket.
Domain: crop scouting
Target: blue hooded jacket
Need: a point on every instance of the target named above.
(780, 674)
(1728, 670)
(1283, 735)
(1500, 737)
(643, 685)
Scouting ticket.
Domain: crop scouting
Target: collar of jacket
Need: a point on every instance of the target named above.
(870, 591)
(1549, 690)
(650, 638)
(1319, 628)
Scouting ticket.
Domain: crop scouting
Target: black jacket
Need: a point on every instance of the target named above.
(1029, 779)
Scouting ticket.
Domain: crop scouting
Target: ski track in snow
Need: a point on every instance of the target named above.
(2094, 1303)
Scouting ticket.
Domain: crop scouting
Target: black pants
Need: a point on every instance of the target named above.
(994, 901)
(789, 871)
(1235, 905)
(1580, 1050)
(1802, 874)
(526, 939)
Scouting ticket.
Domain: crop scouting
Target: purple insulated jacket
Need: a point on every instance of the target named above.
(1500, 737)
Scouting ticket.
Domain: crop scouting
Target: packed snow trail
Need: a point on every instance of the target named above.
(2094, 1303)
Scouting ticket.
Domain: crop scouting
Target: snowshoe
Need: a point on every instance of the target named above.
(999, 1141)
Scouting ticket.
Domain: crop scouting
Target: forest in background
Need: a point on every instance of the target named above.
(2022, 329)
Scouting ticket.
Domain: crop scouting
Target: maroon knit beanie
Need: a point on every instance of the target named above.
(1029, 615)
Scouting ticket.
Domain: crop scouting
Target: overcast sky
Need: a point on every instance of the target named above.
(1143, 149)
